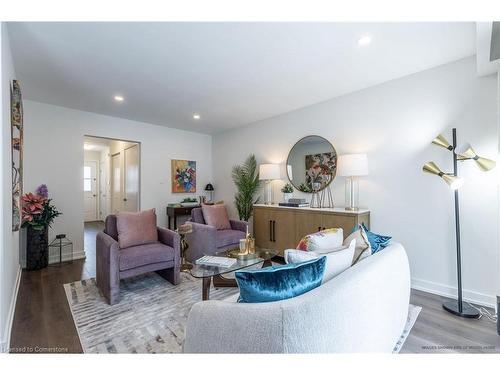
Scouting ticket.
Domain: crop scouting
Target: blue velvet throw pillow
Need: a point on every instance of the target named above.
(377, 241)
(280, 282)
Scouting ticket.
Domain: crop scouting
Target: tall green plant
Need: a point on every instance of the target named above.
(246, 179)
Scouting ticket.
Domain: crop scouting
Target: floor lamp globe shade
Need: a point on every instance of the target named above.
(268, 173)
(352, 166)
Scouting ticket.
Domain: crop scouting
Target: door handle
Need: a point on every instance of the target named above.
(274, 231)
(94, 195)
(124, 199)
(271, 230)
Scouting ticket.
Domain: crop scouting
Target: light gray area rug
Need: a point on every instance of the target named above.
(150, 317)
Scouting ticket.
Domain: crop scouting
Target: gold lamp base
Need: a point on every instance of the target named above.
(185, 267)
(352, 208)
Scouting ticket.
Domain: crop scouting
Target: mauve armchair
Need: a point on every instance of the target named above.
(207, 240)
(114, 264)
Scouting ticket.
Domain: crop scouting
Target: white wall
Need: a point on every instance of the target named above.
(9, 252)
(54, 156)
(394, 124)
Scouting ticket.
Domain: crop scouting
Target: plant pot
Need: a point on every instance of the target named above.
(37, 248)
(287, 196)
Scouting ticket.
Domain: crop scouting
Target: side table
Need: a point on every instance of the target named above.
(174, 212)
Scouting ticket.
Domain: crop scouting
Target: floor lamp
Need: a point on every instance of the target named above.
(462, 153)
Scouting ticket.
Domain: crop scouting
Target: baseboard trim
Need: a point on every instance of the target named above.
(5, 344)
(451, 292)
(54, 258)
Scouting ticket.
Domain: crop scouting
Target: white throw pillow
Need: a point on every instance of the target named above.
(324, 240)
(363, 247)
(337, 260)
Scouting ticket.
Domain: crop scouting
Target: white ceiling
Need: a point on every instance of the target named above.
(232, 74)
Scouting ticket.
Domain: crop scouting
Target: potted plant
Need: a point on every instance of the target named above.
(287, 191)
(38, 214)
(246, 179)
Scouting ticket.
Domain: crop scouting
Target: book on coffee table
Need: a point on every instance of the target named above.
(209, 260)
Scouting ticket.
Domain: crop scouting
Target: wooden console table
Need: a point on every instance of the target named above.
(279, 228)
(173, 212)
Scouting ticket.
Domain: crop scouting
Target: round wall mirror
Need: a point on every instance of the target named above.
(311, 164)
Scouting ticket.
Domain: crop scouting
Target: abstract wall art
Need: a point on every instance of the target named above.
(183, 176)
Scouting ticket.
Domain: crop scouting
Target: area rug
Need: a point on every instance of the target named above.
(150, 317)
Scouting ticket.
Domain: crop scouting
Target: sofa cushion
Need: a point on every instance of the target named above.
(324, 240)
(197, 216)
(337, 260)
(363, 248)
(377, 241)
(141, 255)
(136, 228)
(280, 282)
(216, 216)
(228, 237)
(110, 227)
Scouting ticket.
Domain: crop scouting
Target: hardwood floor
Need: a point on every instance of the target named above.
(43, 321)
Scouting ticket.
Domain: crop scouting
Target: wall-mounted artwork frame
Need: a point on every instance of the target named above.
(16, 110)
(183, 176)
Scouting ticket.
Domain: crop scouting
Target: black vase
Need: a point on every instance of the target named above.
(37, 248)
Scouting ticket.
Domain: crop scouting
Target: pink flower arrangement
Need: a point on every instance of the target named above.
(32, 204)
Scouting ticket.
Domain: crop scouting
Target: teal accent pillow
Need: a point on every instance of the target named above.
(280, 282)
(377, 241)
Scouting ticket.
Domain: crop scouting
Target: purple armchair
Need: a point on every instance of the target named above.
(206, 240)
(114, 263)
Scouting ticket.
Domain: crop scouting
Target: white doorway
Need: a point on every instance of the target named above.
(116, 184)
(90, 190)
(131, 178)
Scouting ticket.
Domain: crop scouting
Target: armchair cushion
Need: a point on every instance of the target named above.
(216, 216)
(136, 228)
(228, 237)
(137, 256)
(197, 216)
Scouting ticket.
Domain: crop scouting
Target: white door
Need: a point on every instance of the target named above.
(131, 178)
(90, 190)
(116, 184)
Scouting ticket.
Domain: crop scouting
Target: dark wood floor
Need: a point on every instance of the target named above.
(43, 321)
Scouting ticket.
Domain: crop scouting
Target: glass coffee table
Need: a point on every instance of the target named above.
(215, 274)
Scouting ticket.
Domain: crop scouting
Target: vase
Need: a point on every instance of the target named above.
(37, 248)
(287, 196)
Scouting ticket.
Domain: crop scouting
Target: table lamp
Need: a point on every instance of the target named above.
(352, 166)
(268, 173)
(210, 192)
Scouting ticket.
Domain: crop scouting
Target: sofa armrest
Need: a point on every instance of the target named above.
(228, 327)
(239, 225)
(201, 241)
(108, 266)
(173, 239)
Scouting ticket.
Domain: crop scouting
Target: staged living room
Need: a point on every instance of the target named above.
(256, 187)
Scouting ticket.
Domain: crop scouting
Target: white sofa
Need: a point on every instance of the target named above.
(364, 309)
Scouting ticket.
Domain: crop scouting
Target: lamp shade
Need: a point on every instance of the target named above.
(269, 172)
(440, 140)
(209, 187)
(453, 181)
(352, 165)
(466, 152)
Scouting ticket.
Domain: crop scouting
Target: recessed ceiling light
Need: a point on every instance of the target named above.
(118, 98)
(196, 116)
(364, 40)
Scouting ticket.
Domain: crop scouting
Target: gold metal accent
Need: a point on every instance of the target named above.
(440, 140)
(183, 230)
(431, 168)
(453, 181)
(466, 152)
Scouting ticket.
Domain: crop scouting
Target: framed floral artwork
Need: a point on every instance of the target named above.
(183, 176)
(16, 120)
